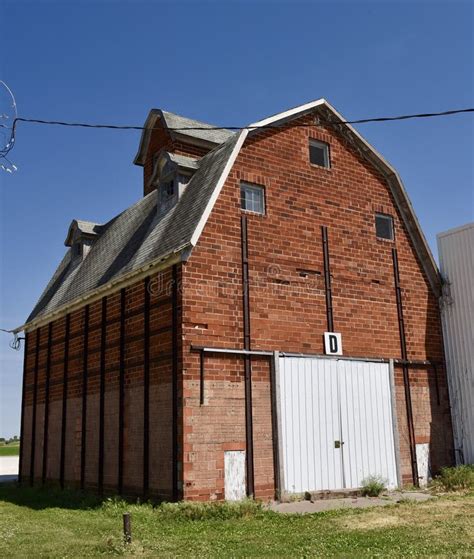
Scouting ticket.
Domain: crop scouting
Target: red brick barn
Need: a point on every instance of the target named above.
(264, 321)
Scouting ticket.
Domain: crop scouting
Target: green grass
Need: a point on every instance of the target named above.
(11, 449)
(48, 523)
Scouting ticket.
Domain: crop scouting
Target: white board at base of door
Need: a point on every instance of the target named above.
(234, 475)
(336, 423)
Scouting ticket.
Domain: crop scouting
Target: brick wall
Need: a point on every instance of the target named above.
(288, 311)
(160, 367)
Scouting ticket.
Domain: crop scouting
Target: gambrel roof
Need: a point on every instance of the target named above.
(135, 240)
(140, 240)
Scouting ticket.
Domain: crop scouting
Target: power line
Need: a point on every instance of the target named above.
(10, 167)
(184, 128)
(15, 343)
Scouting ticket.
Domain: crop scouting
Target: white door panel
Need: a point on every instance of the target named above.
(366, 422)
(326, 400)
(310, 425)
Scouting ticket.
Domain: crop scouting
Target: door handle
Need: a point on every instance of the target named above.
(338, 444)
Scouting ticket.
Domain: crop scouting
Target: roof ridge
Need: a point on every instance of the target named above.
(192, 120)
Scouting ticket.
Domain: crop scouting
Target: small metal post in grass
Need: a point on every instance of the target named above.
(127, 528)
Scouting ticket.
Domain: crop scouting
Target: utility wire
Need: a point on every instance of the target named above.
(11, 142)
(184, 128)
(15, 343)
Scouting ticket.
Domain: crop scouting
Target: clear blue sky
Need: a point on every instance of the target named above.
(228, 63)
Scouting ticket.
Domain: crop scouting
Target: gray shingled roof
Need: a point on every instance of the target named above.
(135, 237)
(183, 160)
(177, 121)
(88, 228)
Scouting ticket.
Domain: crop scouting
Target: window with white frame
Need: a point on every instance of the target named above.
(252, 198)
(319, 153)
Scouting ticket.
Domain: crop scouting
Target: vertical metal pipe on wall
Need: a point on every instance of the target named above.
(103, 340)
(175, 382)
(46, 404)
(247, 361)
(201, 377)
(327, 279)
(84, 395)
(273, 362)
(64, 407)
(121, 390)
(406, 375)
(22, 420)
(146, 388)
(34, 412)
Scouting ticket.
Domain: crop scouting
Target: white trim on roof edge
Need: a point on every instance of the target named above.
(393, 179)
(220, 183)
(154, 266)
(291, 112)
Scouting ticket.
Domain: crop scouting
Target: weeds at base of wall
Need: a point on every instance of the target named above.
(373, 486)
(186, 510)
(457, 478)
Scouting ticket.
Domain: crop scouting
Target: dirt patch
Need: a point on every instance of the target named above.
(373, 521)
(426, 515)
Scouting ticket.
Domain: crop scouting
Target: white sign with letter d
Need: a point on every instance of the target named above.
(332, 343)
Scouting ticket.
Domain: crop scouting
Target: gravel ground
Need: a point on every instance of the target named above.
(305, 507)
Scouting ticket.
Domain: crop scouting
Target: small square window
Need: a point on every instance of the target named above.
(384, 226)
(252, 198)
(319, 153)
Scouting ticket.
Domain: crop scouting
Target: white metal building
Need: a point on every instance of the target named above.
(456, 257)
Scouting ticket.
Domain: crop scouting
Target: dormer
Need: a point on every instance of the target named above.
(176, 134)
(171, 174)
(81, 237)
